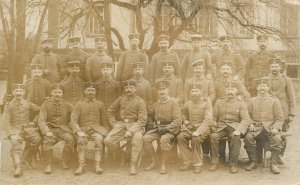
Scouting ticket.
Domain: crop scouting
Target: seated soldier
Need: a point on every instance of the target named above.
(18, 127)
(232, 119)
(197, 117)
(53, 122)
(128, 115)
(267, 120)
(165, 126)
(89, 121)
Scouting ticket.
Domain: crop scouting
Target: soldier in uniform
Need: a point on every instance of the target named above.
(53, 121)
(231, 119)
(75, 54)
(258, 64)
(108, 89)
(233, 58)
(89, 122)
(133, 55)
(128, 116)
(73, 83)
(164, 127)
(37, 89)
(164, 54)
(282, 87)
(196, 54)
(175, 82)
(93, 63)
(49, 60)
(19, 127)
(198, 77)
(197, 118)
(266, 123)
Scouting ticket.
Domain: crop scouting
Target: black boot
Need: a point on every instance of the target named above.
(48, 169)
(17, 164)
(98, 168)
(163, 166)
(151, 154)
(81, 159)
(274, 158)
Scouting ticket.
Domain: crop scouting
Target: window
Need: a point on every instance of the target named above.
(205, 23)
(93, 26)
(289, 20)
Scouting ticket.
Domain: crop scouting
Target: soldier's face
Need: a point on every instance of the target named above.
(129, 90)
(75, 45)
(18, 93)
(74, 70)
(263, 88)
(90, 91)
(106, 72)
(262, 43)
(36, 73)
(162, 93)
(196, 44)
(226, 71)
(134, 43)
(167, 70)
(198, 69)
(100, 45)
(196, 93)
(57, 93)
(230, 92)
(275, 68)
(138, 71)
(226, 44)
(47, 46)
(163, 44)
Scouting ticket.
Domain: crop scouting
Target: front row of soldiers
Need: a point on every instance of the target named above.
(128, 118)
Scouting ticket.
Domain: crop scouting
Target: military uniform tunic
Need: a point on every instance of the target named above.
(73, 89)
(37, 90)
(175, 87)
(207, 87)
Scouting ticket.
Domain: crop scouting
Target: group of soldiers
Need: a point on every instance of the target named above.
(203, 98)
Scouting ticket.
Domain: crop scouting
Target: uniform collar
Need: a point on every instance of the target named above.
(58, 100)
(76, 78)
(100, 54)
(226, 51)
(141, 79)
(163, 102)
(167, 51)
(230, 100)
(169, 77)
(130, 97)
(47, 54)
(274, 77)
(133, 51)
(94, 99)
(262, 98)
(198, 78)
(106, 79)
(16, 102)
(263, 51)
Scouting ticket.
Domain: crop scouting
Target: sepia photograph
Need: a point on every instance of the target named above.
(150, 92)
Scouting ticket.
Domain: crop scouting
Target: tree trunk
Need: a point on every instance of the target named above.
(53, 21)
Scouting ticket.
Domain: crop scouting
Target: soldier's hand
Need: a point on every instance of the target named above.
(128, 134)
(15, 137)
(209, 77)
(236, 133)
(274, 131)
(186, 122)
(196, 134)
(235, 77)
(49, 134)
(251, 128)
(291, 118)
(46, 71)
(80, 134)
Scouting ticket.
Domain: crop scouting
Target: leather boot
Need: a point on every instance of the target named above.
(17, 164)
(98, 168)
(151, 154)
(81, 159)
(251, 166)
(65, 158)
(48, 168)
(185, 167)
(133, 170)
(213, 167)
(163, 166)
(274, 158)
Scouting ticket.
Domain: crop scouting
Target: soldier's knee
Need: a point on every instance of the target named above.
(16, 145)
(109, 142)
(147, 139)
(181, 137)
(69, 139)
(213, 137)
(137, 139)
(36, 140)
(197, 140)
(276, 142)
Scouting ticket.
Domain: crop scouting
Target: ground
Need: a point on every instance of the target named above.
(114, 175)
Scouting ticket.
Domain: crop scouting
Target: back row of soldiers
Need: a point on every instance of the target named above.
(163, 101)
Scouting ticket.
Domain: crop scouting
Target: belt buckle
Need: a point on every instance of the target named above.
(126, 120)
(158, 122)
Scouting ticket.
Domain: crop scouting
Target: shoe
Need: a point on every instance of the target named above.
(48, 169)
(214, 167)
(275, 169)
(163, 166)
(251, 166)
(233, 169)
(185, 167)
(80, 170)
(152, 165)
(64, 165)
(133, 170)
(18, 171)
(98, 168)
(197, 169)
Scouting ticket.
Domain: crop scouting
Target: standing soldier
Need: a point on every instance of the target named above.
(73, 83)
(37, 89)
(54, 122)
(258, 64)
(93, 63)
(128, 115)
(232, 120)
(175, 83)
(108, 89)
(133, 55)
(266, 122)
(75, 54)
(197, 53)
(198, 77)
(166, 125)
(89, 122)
(49, 60)
(18, 127)
(164, 54)
(233, 58)
(197, 118)
(282, 87)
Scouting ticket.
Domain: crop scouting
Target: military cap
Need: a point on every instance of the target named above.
(47, 39)
(100, 38)
(195, 86)
(36, 66)
(163, 37)
(129, 83)
(196, 37)
(134, 36)
(74, 39)
(263, 80)
(89, 85)
(106, 64)
(137, 65)
(74, 63)
(57, 86)
(168, 63)
(225, 37)
(162, 84)
(198, 62)
(17, 86)
(225, 63)
(278, 61)
(262, 36)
